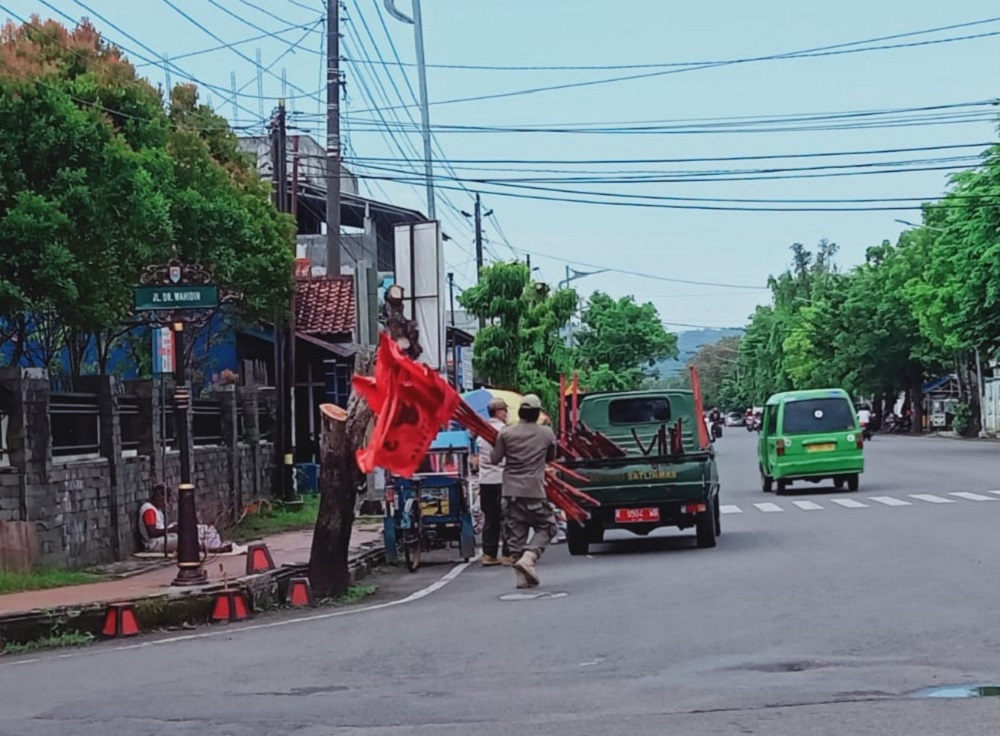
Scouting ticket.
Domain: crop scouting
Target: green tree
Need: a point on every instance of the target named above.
(98, 181)
(718, 367)
(620, 343)
(520, 348)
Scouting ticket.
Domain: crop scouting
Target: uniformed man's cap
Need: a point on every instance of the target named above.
(496, 405)
(531, 401)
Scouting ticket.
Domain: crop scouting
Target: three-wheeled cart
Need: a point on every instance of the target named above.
(433, 509)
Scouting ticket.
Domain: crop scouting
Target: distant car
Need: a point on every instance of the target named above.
(735, 419)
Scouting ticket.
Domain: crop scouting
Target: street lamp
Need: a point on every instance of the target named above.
(925, 227)
(572, 275)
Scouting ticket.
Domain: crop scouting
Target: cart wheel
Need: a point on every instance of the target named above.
(412, 553)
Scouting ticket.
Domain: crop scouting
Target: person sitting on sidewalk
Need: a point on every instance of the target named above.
(157, 537)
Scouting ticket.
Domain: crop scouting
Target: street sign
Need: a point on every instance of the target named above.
(180, 297)
(163, 350)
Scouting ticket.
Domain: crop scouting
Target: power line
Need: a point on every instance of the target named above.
(655, 65)
(672, 205)
(227, 46)
(674, 176)
(135, 40)
(268, 13)
(201, 26)
(707, 177)
(634, 126)
(836, 49)
(696, 159)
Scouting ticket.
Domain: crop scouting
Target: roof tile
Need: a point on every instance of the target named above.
(325, 305)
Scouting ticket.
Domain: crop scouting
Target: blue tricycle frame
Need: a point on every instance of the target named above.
(433, 509)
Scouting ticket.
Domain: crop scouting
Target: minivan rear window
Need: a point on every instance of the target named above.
(811, 416)
(639, 410)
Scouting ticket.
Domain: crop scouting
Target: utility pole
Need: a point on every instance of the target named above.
(454, 343)
(425, 114)
(478, 219)
(333, 154)
(283, 337)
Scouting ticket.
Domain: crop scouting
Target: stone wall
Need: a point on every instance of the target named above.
(86, 509)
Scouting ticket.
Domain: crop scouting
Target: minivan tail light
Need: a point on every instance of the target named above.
(781, 446)
(861, 441)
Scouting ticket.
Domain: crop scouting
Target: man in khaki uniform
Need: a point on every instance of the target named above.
(525, 448)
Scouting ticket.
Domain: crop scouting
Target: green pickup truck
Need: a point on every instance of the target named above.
(665, 479)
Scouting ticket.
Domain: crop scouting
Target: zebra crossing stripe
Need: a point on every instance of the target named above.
(768, 508)
(730, 509)
(808, 505)
(930, 498)
(889, 501)
(972, 496)
(848, 503)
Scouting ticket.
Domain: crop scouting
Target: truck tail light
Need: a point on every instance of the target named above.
(698, 508)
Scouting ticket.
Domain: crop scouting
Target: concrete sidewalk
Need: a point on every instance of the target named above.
(289, 548)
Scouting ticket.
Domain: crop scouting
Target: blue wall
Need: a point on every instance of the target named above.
(205, 360)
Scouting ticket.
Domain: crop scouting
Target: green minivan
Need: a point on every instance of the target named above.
(810, 436)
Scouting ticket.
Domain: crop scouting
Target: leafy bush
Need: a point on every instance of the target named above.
(962, 423)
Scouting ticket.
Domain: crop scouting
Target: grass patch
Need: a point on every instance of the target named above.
(53, 641)
(43, 578)
(355, 594)
(278, 518)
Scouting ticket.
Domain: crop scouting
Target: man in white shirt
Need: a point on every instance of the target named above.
(491, 492)
(156, 535)
(864, 416)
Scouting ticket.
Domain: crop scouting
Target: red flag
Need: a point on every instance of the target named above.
(412, 403)
(699, 410)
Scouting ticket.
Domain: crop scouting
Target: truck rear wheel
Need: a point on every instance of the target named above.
(705, 530)
(766, 484)
(576, 540)
(718, 518)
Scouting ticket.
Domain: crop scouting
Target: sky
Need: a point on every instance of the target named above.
(651, 253)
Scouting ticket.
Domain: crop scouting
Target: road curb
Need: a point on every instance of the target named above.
(173, 609)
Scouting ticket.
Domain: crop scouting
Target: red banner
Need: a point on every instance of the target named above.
(411, 403)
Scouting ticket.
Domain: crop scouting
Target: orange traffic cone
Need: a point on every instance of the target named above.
(258, 559)
(120, 619)
(230, 606)
(300, 593)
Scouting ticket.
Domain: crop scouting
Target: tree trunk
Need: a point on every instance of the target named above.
(329, 575)
(878, 411)
(342, 433)
(917, 404)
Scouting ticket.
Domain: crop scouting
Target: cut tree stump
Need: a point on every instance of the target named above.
(328, 570)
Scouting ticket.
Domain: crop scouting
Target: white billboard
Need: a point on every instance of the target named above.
(420, 270)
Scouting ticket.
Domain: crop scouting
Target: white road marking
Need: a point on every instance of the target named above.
(808, 505)
(972, 496)
(889, 501)
(229, 631)
(849, 503)
(730, 509)
(768, 508)
(996, 493)
(930, 498)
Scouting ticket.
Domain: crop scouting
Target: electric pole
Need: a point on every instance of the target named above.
(478, 219)
(283, 336)
(333, 153)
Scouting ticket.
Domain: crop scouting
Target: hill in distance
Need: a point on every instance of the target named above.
(688, 344)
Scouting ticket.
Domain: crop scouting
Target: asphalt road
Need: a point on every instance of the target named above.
(816, 618)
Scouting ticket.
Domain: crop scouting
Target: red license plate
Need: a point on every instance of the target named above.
(636, 516)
